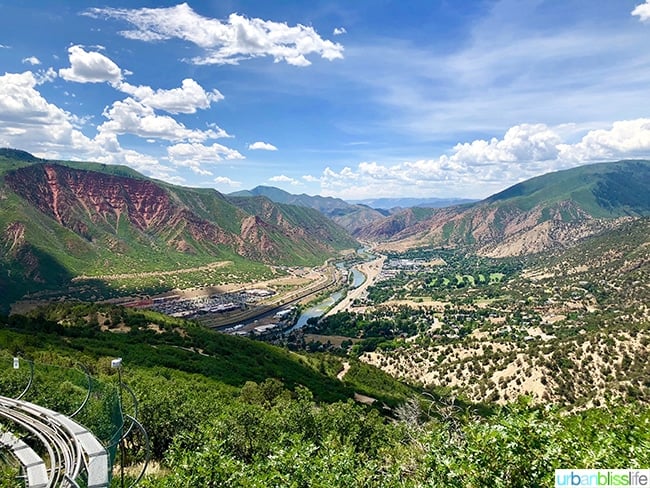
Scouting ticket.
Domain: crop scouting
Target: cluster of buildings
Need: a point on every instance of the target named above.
(394, 266)
(178, 306)
(277, 323)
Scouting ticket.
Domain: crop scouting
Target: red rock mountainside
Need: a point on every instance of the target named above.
(119, 211)
(83, 200)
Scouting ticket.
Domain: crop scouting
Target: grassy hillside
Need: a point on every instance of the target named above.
(167, 358)
(545, 213)
(312, 221)
(149, 339)
(11, 159)
(602, 190)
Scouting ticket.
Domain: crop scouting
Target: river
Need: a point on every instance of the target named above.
(321, 307)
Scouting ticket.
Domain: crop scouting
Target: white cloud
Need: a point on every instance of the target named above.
(129, 116)
(521, 143)
(339, 31)
(29, 120)
(643, 11)
(45, 76)
(310, 179)
(284, 179)
(194, 155)
(479, 168)
(186, 99)
(217, 132)
(136, 115)
(225, 181)
(109, 151)
(263, 146)
(33, 60)
(227, 42)
(90, 67)
(626, 139)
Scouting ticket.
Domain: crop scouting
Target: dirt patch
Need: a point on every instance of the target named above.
(344, 371)
(366, 400)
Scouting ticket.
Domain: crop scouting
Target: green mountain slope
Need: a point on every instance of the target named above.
(602, 190)
(223, 411)
(289, 215)
(148, 339)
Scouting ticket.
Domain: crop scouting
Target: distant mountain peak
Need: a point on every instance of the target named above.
(349, 216)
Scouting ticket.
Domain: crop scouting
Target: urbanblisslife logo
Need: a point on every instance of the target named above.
(603, 478)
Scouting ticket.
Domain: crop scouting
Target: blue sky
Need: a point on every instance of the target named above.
(355, 99)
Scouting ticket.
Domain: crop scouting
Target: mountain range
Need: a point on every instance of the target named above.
(350, 216)
(400, 203)
(547, 212)
(61, 219)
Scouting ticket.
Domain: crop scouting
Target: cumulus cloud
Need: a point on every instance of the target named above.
(186, 99)
(521, 143)
(129, 116)
(109, 151)
(339, 31)
(33, 60)
(136, 115)
(193, 155)
(263, 146)
(224, 42)
(284, 179)
(626, 139)
(643, 11)
(26, 117)
(225, 181)
(28, 120)
(90, 67)
(481, 167)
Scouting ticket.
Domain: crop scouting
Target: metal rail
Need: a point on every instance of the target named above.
(71, 454)
(56, 448)
(72, 449)
(33, 465)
